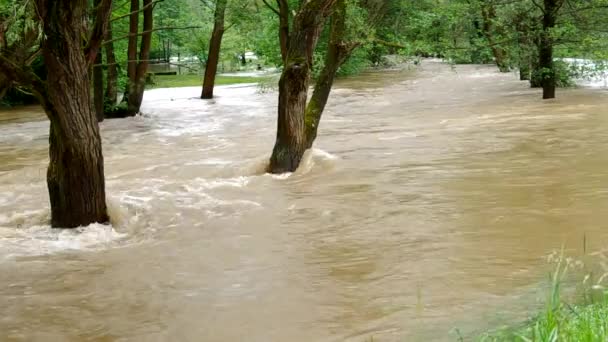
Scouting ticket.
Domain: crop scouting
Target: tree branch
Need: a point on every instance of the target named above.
(271, 8)
(102, 14)
(153, 3)
(15, 74)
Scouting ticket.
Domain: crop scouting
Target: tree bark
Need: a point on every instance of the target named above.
(283, 27)
(545, 52)
(75, 175)
(214, 50)
(337, 53)
(137, 68)
(291, 142)
(132, 59)
(144, 57)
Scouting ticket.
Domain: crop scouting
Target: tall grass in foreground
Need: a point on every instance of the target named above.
(559, 321)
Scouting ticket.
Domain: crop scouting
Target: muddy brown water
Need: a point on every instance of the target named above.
(429, 205)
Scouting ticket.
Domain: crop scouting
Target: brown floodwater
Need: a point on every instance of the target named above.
(426, 210)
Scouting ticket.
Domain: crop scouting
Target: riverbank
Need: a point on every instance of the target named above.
(566, 323)
(178, 81)
(560, 320)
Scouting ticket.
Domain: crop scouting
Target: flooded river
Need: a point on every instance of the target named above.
(429, 205)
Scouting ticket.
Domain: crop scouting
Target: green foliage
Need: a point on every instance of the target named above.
(559, 321)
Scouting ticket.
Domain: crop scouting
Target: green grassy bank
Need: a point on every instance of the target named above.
(561, 321)
(175, 81)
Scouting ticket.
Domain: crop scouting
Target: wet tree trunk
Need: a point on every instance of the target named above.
(136, 99)
(500, 55)
(4, 86)
(283, 27)
(291, 141)
(545, 52)
(214, 50)
(112, 74)
(337, 53)
(138, 68)
(132, 59)
(75, 175)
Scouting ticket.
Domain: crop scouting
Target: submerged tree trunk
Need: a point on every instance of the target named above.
(138, 68)
(545, 52)
(291, 141)
(214, 50)
(337, 53)
(111, 94)
(132, 59)
(136, 99)
(75, 175)
(283, 27)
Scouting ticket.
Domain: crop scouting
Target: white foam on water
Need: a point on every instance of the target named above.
(28, 232)
(313, 159)
(42, 239)
(237, 182)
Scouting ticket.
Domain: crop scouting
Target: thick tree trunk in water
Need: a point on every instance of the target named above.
(137, 69)
(291, 141)
(76, 174)
(337, 53)
(112, 76)
(283, 27)
(545, 52)
(4, 85)
(132, 59)
(144, 56)
(214, 50)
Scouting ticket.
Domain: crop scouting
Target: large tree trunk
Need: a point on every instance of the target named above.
(75, 175)
(545, 52)
(136, 99)
(283, 27)
(111, 94)
(291, 142)
(214, 50)
(337, 53)
(4, 86)
(137, 69)
(131, 90)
